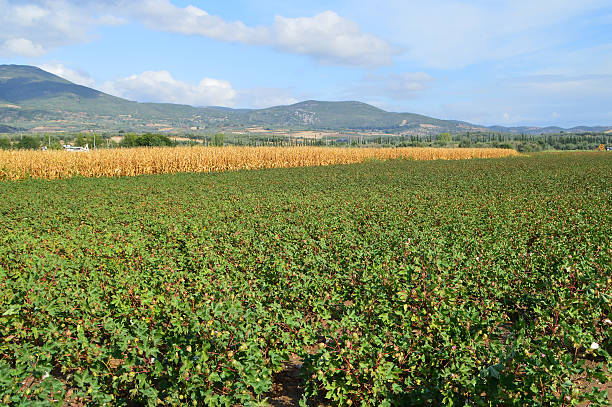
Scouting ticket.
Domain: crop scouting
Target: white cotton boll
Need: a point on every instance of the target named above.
(607, 322)
(594, 346)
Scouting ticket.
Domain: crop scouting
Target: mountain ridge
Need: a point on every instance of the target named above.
(36, 100)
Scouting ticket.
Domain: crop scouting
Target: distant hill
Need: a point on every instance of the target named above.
(36, 99)
(348, 115)
(27, 83)
(30, 94)
(550, 129)
(8, 129)
(33, 99)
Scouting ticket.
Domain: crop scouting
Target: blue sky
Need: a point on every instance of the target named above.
(518, 62)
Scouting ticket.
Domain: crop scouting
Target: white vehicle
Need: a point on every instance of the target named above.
(74, 149)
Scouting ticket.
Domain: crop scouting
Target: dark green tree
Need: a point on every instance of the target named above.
(219, 139)
(465, 142)
(80, 141)
(146, 140)
(153, 140)
(129, 140)
(5, 143)
(28, 143)
(445, 138)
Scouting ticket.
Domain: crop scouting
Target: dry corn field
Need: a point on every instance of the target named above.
(16, 165)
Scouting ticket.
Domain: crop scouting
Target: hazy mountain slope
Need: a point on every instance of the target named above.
(7, 129)
(334, 115)
(33, 88)
(31, 98)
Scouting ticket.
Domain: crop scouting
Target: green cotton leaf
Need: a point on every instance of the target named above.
(388, 283)
(12, 310)
(81, 334)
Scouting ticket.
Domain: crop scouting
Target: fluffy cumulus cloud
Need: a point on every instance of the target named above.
(326, 37)
(32, 28)
(73, 75)
(164, 16)
(161, 86)
(22, 46)
(331, 39)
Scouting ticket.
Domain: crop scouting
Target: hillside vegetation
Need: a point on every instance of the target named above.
(31, 98)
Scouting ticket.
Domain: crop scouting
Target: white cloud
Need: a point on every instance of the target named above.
(330, 39)
(76, 76)
(160, 86)
(32, 29)
(22, 46)
(326, 37)
(444, 34)
(29, 14)
(162, 15)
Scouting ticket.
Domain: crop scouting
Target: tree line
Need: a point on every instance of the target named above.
(519, 142)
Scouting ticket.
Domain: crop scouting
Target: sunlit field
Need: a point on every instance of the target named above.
(398, 283)
(16, 165)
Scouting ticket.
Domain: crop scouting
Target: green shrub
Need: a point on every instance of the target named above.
(5, 143)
